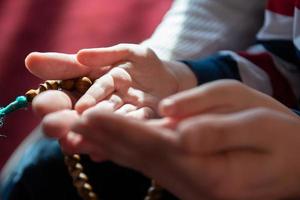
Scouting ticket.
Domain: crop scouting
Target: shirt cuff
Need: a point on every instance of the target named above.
(214, 67)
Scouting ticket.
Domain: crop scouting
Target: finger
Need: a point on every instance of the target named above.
(101, 88)
(229, 152)
(110, 55)
(115, 80)
(210, 134)
(111, 104)
(52, 101)
(54, 66)
(164, 122)
(223, 96)
(69, 143)
(123, 110)
(217, 96)
(140, 98)
(97, 144)
(131, 132)
(73, 143)
(58, 124)
(142, 113)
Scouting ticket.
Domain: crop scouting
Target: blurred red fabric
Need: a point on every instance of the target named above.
(61, 26)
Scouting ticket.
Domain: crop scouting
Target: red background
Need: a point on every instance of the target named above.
(61, 26)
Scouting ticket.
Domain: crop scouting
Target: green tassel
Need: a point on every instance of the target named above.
(20, 102)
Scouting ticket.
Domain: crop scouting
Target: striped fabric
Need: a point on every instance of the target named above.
(197, 28)
(273, 64)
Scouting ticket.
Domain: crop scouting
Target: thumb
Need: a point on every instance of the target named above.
(55, 66)
(205, 98)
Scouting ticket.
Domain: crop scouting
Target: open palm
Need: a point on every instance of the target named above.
(132, 78)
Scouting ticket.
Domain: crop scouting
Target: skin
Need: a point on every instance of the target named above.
(243, 145)
(222, 140)
(129, 79)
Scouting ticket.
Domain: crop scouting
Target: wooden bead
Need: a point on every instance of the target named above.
(83, 84)
(85, 190)
(87, 187)
(154, 192)
(31, 94)
(80, 180)
(72, 160)
(76, 170)
(82, 176)
(52, 84)
(75, 157)
(67, 84)
(92, 196)
(43, 87)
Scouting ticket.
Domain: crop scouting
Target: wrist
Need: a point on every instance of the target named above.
(185, 78)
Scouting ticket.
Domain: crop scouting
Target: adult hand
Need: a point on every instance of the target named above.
(252, 154)
(222, 96)
(246, 152)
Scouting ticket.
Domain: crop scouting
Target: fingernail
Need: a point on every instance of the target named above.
(168, 107)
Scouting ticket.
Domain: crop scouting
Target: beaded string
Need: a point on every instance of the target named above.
(75, 168)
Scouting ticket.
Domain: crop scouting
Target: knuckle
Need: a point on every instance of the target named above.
(116, 71)
(264, 115)
(229, 86)
(204, 131)
(149, 51)
(128, 48)
(232, 87)
(121, 77)
(195, 131)
(209, 124)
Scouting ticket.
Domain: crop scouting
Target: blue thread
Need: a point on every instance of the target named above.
(20, 102)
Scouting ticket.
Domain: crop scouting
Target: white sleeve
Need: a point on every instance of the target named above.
(196, 28)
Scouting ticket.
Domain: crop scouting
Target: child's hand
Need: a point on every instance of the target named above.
(132, 78)
(137, 77)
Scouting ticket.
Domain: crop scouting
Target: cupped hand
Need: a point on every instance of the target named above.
(246, 151)
(138, 77)
(129, 78)
(252, 154)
